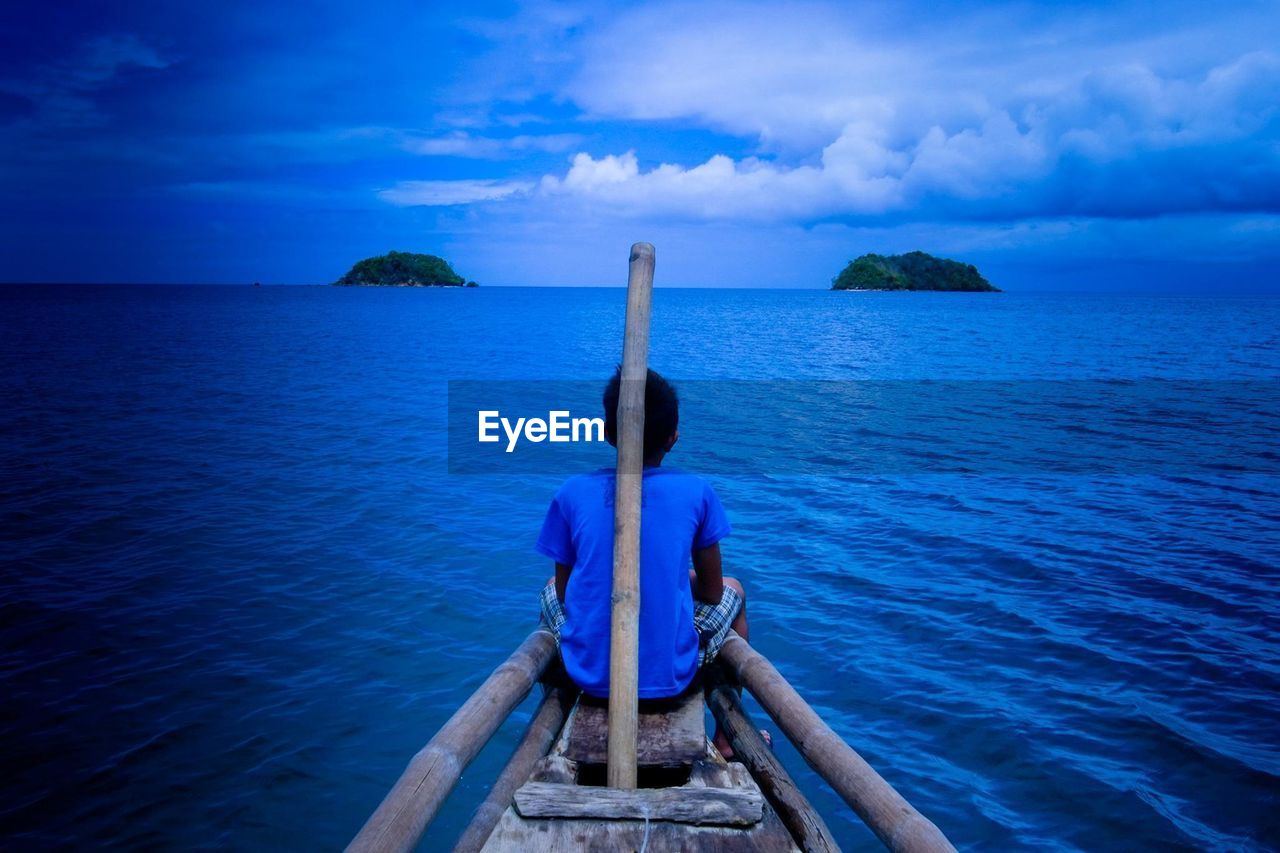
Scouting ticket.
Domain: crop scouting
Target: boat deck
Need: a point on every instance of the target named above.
(715, 805)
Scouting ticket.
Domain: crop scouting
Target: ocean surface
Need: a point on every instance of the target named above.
(244, 580)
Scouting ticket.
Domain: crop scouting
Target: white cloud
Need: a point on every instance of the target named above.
(444, 193)
(877, 111)
(588, 175)
(717, 189)
(461, 144)
(795, 77)
(1120, 140)
(792, 78)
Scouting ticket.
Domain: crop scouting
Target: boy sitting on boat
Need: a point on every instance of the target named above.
(685, 614)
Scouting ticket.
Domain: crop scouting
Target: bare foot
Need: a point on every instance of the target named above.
(722, 745)
(726, 750)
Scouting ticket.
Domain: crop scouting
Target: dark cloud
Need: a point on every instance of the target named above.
(14, 107)
(237, 126)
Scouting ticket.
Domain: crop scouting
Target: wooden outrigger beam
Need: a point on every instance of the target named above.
(806, 826)
(541, 733)
(399, 822)
(883, 809)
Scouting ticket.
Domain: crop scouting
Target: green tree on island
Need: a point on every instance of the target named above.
(404, 269)
(912, 271)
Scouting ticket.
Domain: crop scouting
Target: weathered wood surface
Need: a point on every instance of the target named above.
(705, 774)
(400, 820)
(668, 733)
(554, 768)
(712, 771)
(624, 635)
(889, 816)
(806, 826)
(698, 806)
(514, 834)
(537, 740)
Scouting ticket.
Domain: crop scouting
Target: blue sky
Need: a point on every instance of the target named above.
(1058, 146)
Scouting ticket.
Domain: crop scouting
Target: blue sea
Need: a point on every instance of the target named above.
(243, 583)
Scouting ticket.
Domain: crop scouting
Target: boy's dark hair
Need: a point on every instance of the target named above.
(661, 411)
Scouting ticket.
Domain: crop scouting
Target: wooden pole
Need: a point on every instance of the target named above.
(798, 816)
(624, 638)
(883, 809)
(536, 742)
(402, 817)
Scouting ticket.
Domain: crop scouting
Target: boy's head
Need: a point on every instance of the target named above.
(661, 413)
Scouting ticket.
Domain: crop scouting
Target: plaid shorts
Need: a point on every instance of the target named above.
(713, 621)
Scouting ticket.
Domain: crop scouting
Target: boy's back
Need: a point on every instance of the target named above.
(679, 513)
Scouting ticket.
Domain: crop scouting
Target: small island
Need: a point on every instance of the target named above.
(403, 269)
(912, 271)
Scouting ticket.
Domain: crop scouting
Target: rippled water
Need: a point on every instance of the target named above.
(241, 586)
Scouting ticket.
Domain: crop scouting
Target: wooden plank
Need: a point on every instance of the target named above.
(413, 801)
(795, 811)
(704, 774)
(624, 637)
(669, 733)
(562, 742)
(898, 825)
(701, 806)
(537, 739)
(553, 768)
(709, 774)
(517, 835)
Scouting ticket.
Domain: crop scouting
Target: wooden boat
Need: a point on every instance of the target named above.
(632, 775)
(544, 799)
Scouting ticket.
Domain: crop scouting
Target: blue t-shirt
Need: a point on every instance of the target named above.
(678, 513)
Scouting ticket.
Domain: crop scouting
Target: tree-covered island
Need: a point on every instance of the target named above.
(912, 271)
(404, 269)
